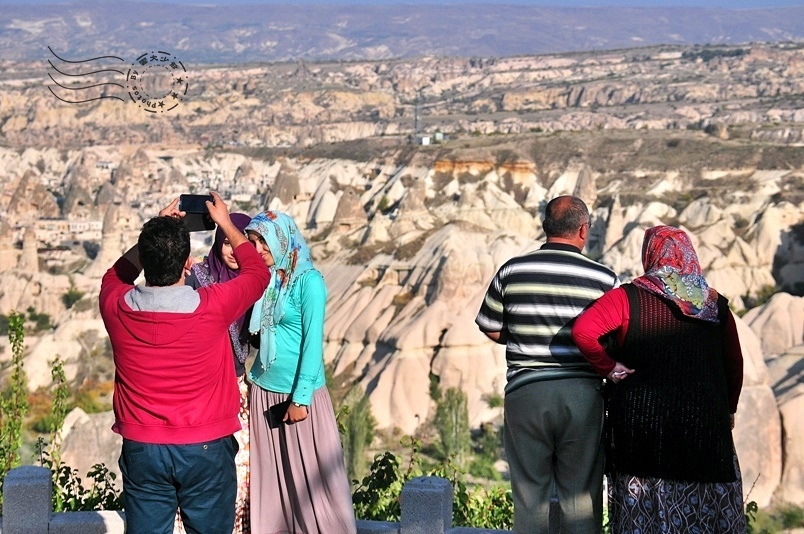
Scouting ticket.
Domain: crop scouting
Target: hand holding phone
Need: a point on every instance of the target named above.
(171, 210)
(217, 209)
(196, 218)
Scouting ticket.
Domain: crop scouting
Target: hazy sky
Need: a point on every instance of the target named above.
(739, 4)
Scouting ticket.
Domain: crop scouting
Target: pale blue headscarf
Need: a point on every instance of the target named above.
(291, 260)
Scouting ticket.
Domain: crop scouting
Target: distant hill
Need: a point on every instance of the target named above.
(265, 32)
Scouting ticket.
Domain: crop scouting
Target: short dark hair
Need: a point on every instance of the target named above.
(164, 246)
(564, 215)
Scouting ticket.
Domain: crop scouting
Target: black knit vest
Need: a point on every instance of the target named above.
(670, 419)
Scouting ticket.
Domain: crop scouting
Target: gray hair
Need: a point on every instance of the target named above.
(564, 215)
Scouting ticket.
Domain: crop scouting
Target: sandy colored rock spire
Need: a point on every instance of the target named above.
(29, 261)
(8, 254)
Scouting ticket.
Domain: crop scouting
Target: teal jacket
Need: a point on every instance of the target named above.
(299, 365)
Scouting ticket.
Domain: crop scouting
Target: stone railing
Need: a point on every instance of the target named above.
(27, 509)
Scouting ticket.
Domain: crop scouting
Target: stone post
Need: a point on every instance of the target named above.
(426, 506)
(27, 501)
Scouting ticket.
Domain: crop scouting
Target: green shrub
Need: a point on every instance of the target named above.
(72, 296)
(14, 401)
(41, 320)
(494, 400)
(358, 431)
(377, 496)
(762, 296)
(483, 467)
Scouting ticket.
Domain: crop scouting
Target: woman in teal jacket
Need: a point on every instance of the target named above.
(296, 455)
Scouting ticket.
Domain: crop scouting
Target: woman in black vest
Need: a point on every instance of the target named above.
(673, 392)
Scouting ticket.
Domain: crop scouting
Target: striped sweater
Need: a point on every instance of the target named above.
(532, 301)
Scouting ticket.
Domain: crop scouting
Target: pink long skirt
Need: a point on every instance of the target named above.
(298, 481)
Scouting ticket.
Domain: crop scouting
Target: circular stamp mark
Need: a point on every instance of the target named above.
(157, 82)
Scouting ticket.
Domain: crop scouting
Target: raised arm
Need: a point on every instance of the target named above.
(219, 213)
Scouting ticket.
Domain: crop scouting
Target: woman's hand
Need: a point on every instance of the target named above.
(619, 372)
(218, 211)
(295, 414)
(172, 210)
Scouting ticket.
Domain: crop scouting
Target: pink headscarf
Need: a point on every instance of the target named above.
(672, 271)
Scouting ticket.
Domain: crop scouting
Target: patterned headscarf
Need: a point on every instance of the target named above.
(291, 260)
(672, 271)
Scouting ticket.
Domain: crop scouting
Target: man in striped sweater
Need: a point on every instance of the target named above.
(553, 405)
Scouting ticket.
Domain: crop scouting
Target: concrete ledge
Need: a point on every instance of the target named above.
(375, 527)
(470, 530)
(27, 509)
(27, 501)
(87, 523)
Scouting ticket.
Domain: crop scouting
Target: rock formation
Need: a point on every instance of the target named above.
(408, 237)
(8, 254)
(29, 260)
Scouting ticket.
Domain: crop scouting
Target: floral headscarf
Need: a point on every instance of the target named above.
(672, 271)
(291, 260)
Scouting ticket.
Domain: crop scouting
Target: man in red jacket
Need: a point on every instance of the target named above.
(176, 398)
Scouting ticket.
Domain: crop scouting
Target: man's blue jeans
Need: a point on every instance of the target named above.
(200, 479)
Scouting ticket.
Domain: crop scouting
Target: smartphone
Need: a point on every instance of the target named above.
(276, 414)
(194, 203)
(197, 217)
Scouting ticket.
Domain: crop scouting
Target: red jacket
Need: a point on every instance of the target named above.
(174, 372)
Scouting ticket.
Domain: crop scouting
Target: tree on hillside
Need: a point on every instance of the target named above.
(358, 431)
(452, 423)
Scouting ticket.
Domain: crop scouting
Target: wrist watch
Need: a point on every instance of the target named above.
(296, 404)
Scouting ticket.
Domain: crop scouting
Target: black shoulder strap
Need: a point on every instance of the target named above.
(633, 309)
(722, 309)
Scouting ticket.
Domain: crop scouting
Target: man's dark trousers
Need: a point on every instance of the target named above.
(553, 443)
(200, 479)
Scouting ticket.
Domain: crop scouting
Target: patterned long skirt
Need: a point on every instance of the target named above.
(242, 512)
(647, 505)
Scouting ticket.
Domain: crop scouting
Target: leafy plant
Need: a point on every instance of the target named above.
(70, 494)
(762, 296)
(385, 204)
(14, 401)
(376, 497)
